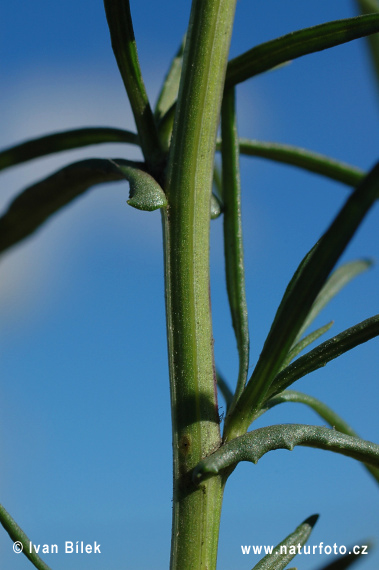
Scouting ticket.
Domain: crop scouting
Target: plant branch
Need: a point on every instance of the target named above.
(18, 536)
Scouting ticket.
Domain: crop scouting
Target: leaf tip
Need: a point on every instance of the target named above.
(311, 521)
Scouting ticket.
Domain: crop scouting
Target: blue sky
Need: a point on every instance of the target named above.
(85, 432)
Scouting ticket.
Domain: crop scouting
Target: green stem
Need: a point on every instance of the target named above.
(21, 541)
(196, 433)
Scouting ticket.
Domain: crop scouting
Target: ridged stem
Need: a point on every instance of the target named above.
(196, 433)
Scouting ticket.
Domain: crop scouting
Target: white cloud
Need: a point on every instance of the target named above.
(42, 103)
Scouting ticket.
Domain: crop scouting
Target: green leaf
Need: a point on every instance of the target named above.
(306, 159)
(145, 192)
(296, 44)
(306, 341)
(253, 445)
(233, 243)
(348, 559)
(166, 104)
(298, 299)
(18, 536)
(337, 280)
(34, 206)
(370, 7)
(334, 420)
(170, 87)
(66, 140)
(325, 352)
(125, 51)
(217, 181)
(286, 550)
(224, 389)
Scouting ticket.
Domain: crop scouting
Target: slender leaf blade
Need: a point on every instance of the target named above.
(286, 550)
(66, 140)
(325, 352)
(224, 389)
(327, 414)
(253, 445)
(337, 280)
(166, 104)
(306, 341)
(370, 7)
(348, 559)
(37, 203)
(297, 44)
(302, 158)
(125, 50)
(233, 241)
(170, 87)
(299, 297)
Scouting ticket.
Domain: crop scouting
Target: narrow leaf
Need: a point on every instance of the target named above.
(217, 181)
(170, 87)
(306, 341)
(296, 44)
(145, 192)
(325, 352)
(253, 445)
(334, 420)
(233, 243)
(125, 50)
(370, 7)
(286, 550)
(30, 209)
(299, 298)
(166, 104)
(20, 540)
(224, 389)
(348, 559)
(306, 159)
(165, 127)
(66, 140)
(337, 280)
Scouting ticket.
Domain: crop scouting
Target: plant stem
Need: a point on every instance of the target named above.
(196, 433)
